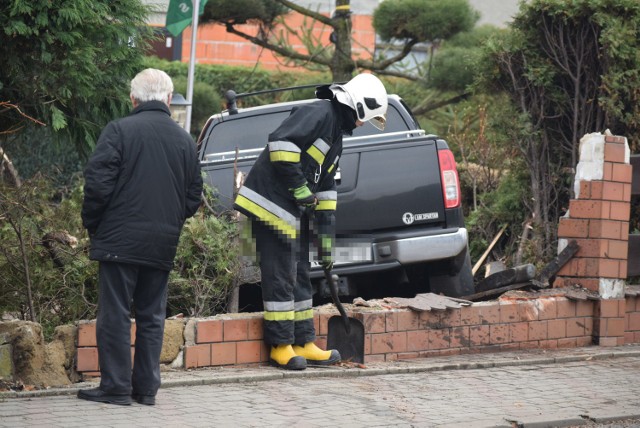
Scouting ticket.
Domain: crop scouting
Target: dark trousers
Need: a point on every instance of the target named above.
(286, 287)
(120, 285)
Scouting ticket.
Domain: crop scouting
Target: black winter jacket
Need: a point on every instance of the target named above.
(141, 183)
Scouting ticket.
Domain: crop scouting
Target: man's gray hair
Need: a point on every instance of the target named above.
(151, 84)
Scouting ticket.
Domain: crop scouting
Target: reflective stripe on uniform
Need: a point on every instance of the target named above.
(283, 151)
(267, 211)
(327, 201)
(333, 165)
(303, 305)
(319, 150)
(303, 315)
(278, 306)
(279, 316)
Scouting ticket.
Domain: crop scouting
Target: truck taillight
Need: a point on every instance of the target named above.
(449, 176)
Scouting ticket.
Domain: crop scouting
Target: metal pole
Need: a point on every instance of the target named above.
(192, 63)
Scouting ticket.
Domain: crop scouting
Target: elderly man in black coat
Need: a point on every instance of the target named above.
(141, 183)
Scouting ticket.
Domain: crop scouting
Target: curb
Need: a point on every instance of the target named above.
(411, 367)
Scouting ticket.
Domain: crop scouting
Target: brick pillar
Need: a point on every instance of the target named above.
(598, 219)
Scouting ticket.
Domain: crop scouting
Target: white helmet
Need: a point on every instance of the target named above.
(366, 95)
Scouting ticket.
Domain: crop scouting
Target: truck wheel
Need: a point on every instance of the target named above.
(458, 284)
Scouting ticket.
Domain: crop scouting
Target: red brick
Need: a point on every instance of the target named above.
(234, 330)
(588, 208)
(321, 342)
(223, 354)
(87, 334)
(408, 320)
(87, 359)
(479, 335)
(519, 332)
(591, 189)
(629, 337)
(460, 337)
(606, 229)
(622, 307)
(617, 249)
(509, 312)
(549, 344)
(626, 194)
(556, 329)
(197, 356)
(566, 308)
(249, 352)
(575, 327)
(535, 344)
(489, 313)
(620, 211)
(255, 328)
(368, 359)
(391, 321)
(592, 247)
(469, 315)
(323, 322)
(547, 308)
(528, 311)
(607, 308)
(634, 321)
(408, 355)
(568, 342)
(607, 171)
(573, 267)
(440, 339)
(614, 152)
(449, 318)
(607, 341)
(573, 228)
(629, 304)
(538, 330)
(367, 343)
(604, 268)
(584, 341)
(418, 340)
(613, 191)
(615, 139)
(209, 331)
(636, 337)
(373, 322)
(389, 342)
(499, 333)
(615, 327)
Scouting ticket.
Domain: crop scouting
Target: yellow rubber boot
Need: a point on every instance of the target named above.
(316, 356)
(283, 356)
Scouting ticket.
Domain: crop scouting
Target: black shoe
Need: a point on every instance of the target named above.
(147, 400)
(96, 394)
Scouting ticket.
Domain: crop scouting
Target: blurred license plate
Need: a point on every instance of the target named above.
(348, 253)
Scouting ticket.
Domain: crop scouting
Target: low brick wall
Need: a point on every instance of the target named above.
(392, 334)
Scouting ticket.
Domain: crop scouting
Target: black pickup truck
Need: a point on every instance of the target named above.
(399, 220)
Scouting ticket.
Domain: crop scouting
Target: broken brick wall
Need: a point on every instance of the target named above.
(598, 217)
(395, 334)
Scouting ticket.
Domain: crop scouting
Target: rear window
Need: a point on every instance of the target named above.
(250, 132)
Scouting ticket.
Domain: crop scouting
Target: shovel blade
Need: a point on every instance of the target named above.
(351, 344)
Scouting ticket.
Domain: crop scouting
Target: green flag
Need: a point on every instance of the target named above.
(180, 15)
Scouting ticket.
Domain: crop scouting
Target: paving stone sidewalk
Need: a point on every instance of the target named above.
(526, 388)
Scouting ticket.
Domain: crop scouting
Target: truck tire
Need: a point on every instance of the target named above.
(458, 284)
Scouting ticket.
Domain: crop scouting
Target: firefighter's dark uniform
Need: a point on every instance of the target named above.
(303, 150)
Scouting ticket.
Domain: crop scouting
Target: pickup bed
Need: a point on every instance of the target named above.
(395, 218)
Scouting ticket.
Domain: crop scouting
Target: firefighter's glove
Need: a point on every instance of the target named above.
(325, 252)
(304, 197)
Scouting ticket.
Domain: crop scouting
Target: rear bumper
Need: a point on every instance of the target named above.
(395, 253)
(421, 248)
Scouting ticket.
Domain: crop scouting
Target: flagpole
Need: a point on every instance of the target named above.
(192, 63)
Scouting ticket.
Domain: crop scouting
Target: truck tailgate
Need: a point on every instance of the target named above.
(390, 185)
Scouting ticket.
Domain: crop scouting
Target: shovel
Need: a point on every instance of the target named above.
(345, 334)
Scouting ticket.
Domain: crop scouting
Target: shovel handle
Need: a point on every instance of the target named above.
(333, 287)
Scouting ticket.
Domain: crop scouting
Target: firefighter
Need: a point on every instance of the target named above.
(291, 188)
